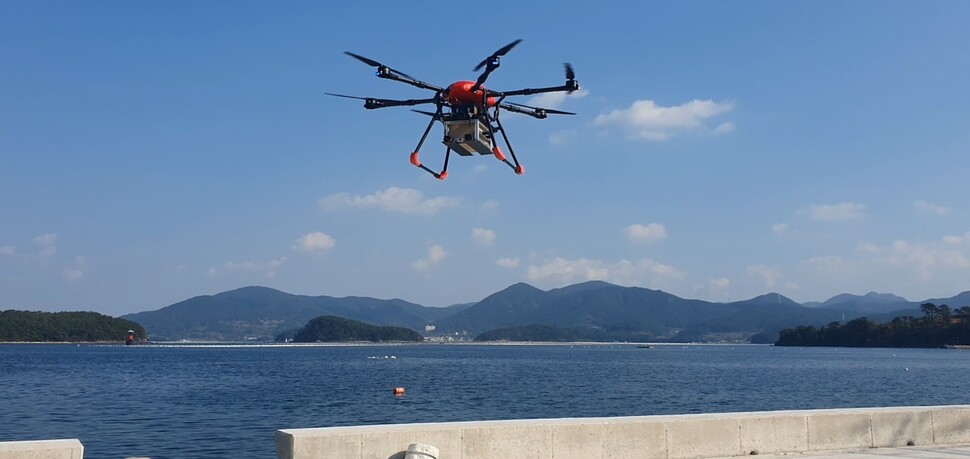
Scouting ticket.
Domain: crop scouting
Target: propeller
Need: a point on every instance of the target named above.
(491, 63)
(497, 54)
(431, 114)
(380, 67)
(373, 102)
(570, 78)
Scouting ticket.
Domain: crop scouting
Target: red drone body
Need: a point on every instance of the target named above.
(464, 93)
(471, 122)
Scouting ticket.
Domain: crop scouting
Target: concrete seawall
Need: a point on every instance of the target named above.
(642, 437)
(42, 449)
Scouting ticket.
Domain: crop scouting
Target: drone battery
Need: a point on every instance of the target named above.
(467, 137)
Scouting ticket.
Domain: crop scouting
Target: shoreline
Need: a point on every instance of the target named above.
(237, 344)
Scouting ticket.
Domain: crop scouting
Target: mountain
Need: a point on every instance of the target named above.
(593, 310)
(870, 303)
(957, 301)
(607, 309)
(262, 313)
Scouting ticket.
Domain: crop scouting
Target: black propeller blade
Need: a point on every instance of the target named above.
(491, 63)
(346, 96)
(375, 64)
(540, 109)
(373, 102)
(570, 75)
(497, 54)
(431, 114)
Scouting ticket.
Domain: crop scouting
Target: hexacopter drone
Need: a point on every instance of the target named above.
(472, 118)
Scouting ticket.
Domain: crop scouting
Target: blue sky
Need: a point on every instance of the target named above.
(151, 152)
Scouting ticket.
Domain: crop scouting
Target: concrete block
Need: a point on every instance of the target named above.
(839, 429)
(518, 439)
(317, 444)
(898, 427)
(700, 436)
(951, 425)
(42, 449)
(579, 441)
(635, 439)
(774, 433)
(393, 441)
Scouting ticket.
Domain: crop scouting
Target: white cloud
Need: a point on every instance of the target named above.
(644, 272)
(843, 211)
(957, 240)
(868, 247)
(393, 199)
(479, 168)
(769, 277)
(46, 243)
(779, 228)
(561, 137)
(931, 208)
(645, 234)
(74, 273)
(436, 254)
(827, 263)
(720, 283)
(724, 128)
(649, 121)
(46, 239)
(490, 205)
(927, 258)
(508, 262)
(268, 268)
(315, 242)
(483, 235)
(8, 250)
(555, 99)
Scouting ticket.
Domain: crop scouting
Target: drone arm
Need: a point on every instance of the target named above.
(371, 104)
(391, 74)
(535, 113)
(570, 86)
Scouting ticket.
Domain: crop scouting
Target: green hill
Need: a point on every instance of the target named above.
(30, 326)
(326, 329)
(263, 313)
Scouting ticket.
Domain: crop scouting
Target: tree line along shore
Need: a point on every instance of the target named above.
(940, 326)
(33, 326)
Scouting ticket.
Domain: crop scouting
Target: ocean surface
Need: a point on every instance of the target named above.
(184, 401)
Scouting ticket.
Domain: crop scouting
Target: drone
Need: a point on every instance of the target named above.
(468, 111)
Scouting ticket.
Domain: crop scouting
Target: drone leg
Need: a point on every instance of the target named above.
(498, 153)
(444, 171)
(415, 158)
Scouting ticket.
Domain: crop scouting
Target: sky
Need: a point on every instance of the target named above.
(155, 151)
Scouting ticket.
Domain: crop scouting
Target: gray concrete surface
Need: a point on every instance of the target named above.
(42, 449)
(914, 452)
(649, 437)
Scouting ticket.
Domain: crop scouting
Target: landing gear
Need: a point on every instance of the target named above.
(468, 134)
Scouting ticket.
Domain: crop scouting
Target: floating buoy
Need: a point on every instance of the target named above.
(398, 391)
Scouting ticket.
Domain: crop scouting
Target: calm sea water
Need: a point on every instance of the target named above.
(186, 401)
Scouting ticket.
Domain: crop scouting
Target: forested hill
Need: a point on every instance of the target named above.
(940, 326)
(30, 326)
(337, 329)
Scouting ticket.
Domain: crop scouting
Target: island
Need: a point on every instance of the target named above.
(35, 326)
(325, 329)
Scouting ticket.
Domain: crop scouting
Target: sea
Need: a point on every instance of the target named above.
(210, 401)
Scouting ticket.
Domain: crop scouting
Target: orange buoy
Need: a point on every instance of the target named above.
(398, 391)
